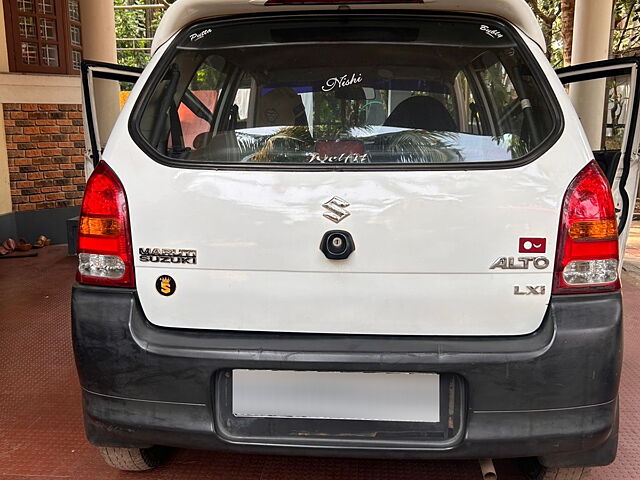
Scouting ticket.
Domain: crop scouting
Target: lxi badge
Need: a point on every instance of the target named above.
(166, 285)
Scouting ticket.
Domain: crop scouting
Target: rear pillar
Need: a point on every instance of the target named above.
(591, 42)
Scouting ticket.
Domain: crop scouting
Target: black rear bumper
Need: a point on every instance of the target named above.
(551, 394)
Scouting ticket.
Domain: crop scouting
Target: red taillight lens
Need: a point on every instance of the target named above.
(104, 237)
(587, 259)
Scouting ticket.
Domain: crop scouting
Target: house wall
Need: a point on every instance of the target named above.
(41, 135)
(45, 146)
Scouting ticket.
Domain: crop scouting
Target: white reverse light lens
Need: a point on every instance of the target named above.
(105, 266)
(590, 272)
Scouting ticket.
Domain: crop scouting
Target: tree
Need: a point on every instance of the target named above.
(568, 9)
(626, 29)
(556, 20)
(133, 28)
(548, 14)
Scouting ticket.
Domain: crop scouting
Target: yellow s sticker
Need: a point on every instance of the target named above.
(166, 285)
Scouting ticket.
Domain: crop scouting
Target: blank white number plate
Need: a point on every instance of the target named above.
(393, 397)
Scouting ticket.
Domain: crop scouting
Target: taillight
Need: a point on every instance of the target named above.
(587, 258)
(104, 236)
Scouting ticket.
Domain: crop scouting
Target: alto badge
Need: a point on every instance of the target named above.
(520, 263)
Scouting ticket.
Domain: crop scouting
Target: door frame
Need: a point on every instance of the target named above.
(89, 71)
(630, 151)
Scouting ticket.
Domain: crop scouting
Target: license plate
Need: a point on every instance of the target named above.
(392, 397)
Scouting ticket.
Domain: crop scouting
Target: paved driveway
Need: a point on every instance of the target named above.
(41, 435)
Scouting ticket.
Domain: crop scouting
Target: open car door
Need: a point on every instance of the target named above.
(105, 88)
(606, 96)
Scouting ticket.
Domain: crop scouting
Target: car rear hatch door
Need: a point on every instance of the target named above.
(454, 222)
(105, 88)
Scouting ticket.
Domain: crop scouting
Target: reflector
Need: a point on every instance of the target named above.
(99, 226)
(590, 230)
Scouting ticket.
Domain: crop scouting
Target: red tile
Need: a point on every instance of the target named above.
(41, 435)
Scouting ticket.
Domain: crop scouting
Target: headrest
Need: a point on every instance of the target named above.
(422, 113)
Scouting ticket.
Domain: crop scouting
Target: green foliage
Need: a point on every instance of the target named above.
(208, 77)
(141, 24)
(133, 27)
(625, 34)
(548, 14)
(626, 31)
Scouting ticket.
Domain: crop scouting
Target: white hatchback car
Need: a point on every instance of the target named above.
(364, 229)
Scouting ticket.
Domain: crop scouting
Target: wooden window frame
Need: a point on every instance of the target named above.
(70, 46)
(63, 41)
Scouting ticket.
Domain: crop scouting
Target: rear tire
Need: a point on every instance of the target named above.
(133, 459)
(534, 471)
(577, 473)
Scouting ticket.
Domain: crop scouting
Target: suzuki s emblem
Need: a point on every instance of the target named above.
(337, 209)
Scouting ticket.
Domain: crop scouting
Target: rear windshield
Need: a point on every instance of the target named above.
(347, 90)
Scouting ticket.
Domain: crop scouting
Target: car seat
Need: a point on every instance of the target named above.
(281, 107)
(422, 113)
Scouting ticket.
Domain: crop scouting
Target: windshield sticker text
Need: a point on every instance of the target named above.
(343, 81)
(194, 37)
(492, 33)
(342, 158)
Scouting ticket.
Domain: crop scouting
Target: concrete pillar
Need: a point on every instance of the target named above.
(5, 190)
(591, 42)
(99, 43)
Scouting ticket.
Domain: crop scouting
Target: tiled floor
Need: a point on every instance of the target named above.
(41, 435)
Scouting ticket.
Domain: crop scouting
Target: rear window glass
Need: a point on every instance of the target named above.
(346, 91)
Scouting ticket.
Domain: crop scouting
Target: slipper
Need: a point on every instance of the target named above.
(42, 242)
(23, 245)
(8, 246)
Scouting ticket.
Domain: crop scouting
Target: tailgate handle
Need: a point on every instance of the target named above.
(337, 245)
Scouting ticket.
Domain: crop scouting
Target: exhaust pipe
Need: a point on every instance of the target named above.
(488, 470)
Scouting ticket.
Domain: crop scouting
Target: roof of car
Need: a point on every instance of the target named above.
(185, 12)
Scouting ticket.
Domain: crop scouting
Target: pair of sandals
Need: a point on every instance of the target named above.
(22, 245)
